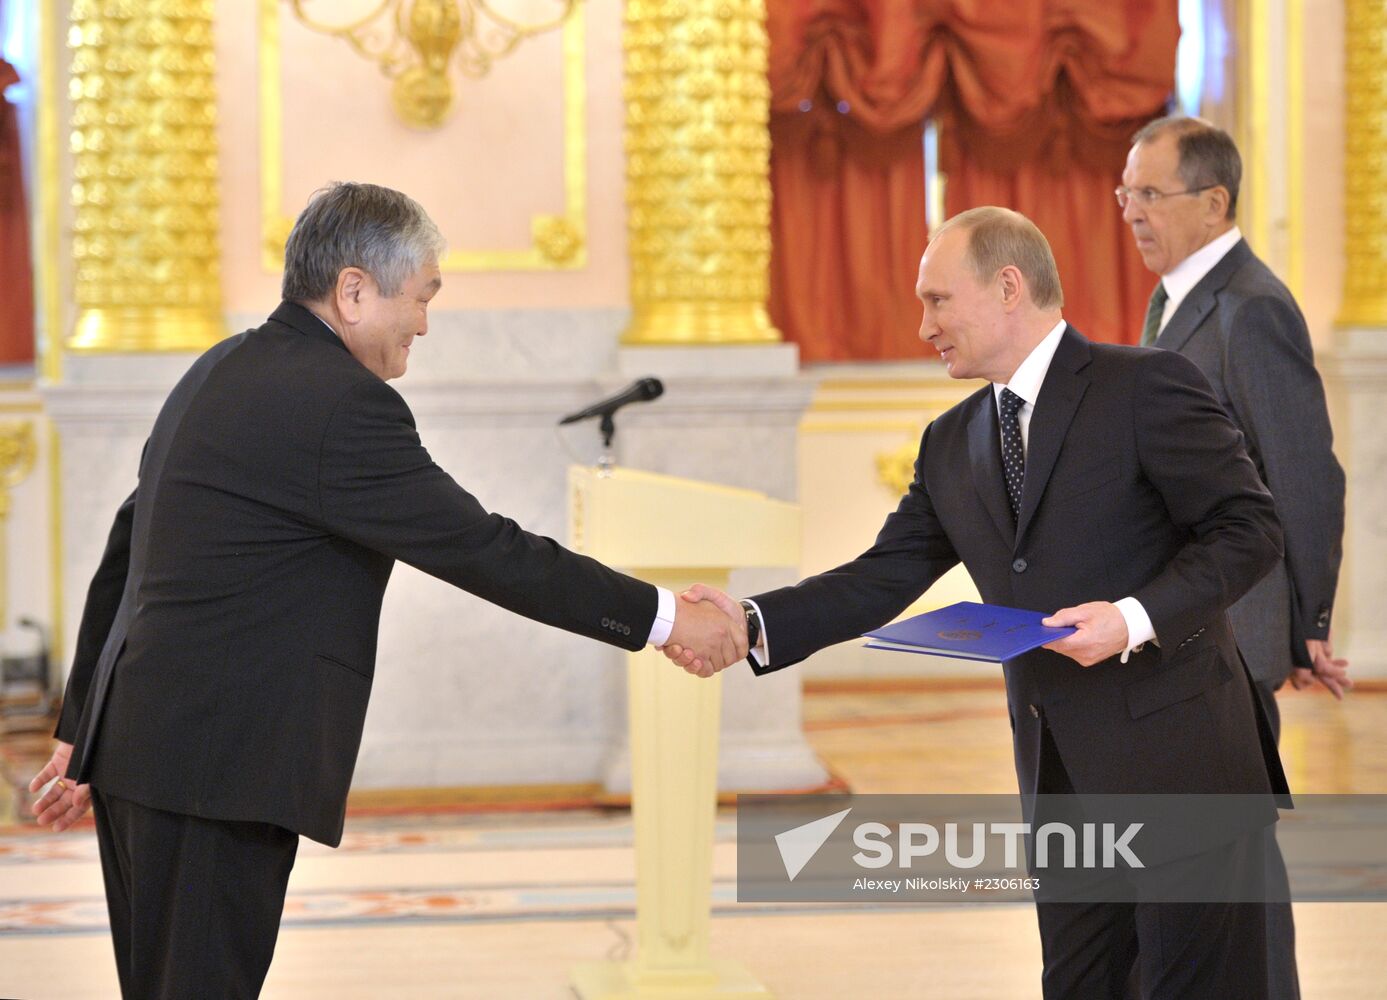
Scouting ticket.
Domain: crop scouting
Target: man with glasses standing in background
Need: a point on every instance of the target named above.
(1224, 309)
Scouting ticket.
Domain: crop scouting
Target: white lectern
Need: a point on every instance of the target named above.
(674, 532)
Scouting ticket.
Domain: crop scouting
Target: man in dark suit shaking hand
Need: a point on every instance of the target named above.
(1104, 486)
(225, 656)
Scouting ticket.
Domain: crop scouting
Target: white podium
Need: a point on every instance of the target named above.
(674, 532)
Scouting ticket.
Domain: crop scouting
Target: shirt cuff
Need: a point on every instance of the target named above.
(761, 652)
(664, 618)
(1139, 628)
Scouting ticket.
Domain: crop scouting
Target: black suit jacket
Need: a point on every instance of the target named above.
(1136, 485)
(227, 647)
(1242, 327)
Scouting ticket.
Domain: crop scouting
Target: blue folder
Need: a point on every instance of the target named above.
(969, 631)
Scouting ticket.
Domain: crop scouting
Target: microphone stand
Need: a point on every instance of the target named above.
(641, 391)
(606, 462)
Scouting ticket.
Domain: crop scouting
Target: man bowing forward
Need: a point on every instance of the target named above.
(225, 657)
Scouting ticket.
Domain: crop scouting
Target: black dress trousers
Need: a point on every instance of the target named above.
(194, 903)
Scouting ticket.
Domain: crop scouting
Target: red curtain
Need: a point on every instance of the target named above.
(16, 271)
(1036, 99)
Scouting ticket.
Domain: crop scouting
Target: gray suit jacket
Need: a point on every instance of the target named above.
(1241, 326)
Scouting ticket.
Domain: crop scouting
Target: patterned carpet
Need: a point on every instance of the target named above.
(408, 899)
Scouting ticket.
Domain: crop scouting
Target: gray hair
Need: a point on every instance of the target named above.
(999, 237)
(1208, 155)
(383, 232)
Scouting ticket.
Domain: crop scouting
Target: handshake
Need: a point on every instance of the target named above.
(709, 631)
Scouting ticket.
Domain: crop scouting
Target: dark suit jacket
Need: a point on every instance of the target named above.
(1241, 326)
(1136, 485)
(228, 643)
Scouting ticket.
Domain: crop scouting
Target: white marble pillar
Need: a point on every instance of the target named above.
(1356, 367)
(1355, 371)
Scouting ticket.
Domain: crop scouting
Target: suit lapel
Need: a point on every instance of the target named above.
(985, 455)
(1202, 298)
(1063, 388)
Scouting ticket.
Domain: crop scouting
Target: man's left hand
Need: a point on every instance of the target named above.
(1328, 670)
(1102, 632)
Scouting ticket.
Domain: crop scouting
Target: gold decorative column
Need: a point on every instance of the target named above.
(144, 191)
(1365, 164)
(1355, 366)
(698, 171)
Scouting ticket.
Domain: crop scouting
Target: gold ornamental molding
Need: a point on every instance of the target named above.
(144, 188)
(896, 468)
(18, 451)
(1365, 164)
(698, 171)
(558, 241)
(414, 43)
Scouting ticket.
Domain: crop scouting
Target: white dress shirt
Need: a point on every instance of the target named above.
(1029, 377)
(1190, 271)
(1026, 383)
(664, 618)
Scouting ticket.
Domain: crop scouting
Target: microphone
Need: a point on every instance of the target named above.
(640, 391)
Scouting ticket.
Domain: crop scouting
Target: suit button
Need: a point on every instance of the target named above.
(1035, 712)
(606, 623)
(1019, 566)
(626, 630)
(1323, 620)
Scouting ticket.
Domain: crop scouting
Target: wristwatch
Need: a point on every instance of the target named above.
(753, 625)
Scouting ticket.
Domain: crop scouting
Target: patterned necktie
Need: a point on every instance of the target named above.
(1151, 329)
(1013, 455)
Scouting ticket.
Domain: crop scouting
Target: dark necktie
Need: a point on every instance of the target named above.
(1013, 455)
(1151, 329)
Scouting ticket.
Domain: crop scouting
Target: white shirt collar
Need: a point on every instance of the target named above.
(1190, 271)
(1030, 375)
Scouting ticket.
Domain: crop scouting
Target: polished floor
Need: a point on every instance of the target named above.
(438, 902)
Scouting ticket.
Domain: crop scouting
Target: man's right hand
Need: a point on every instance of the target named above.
(66, 802)
(708, 635)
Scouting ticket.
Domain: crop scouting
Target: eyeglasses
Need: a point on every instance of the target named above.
(1146, 197)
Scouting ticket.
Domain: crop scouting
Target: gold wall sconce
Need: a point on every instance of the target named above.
(416, 41)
